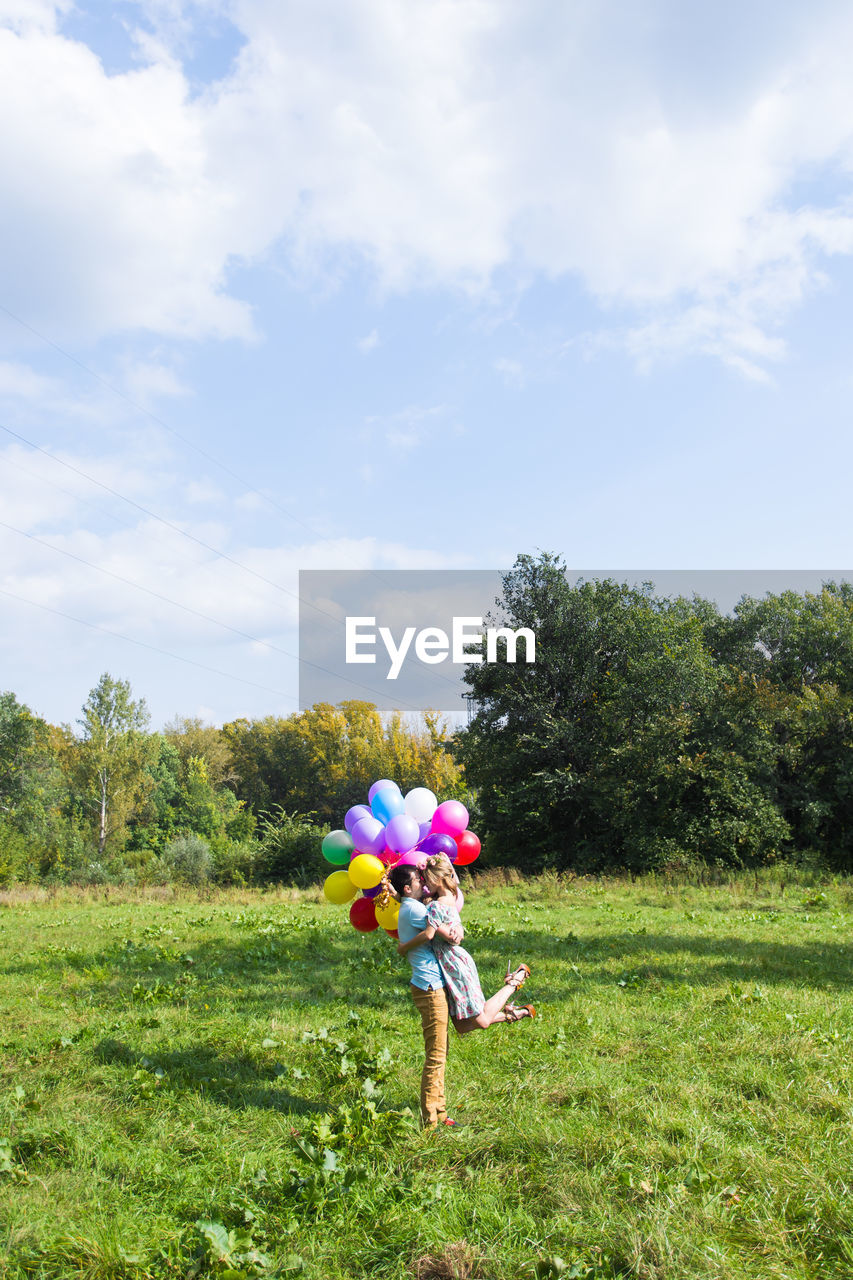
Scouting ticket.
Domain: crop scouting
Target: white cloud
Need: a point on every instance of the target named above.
(201, 491)
(445, 143)
(60, 552)
(368, 343)
(149, 380)
(511, 371)
(409, 427)
(20, 382)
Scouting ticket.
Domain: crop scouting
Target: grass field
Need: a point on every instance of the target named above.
(221, 1086)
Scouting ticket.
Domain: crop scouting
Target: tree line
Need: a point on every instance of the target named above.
(109, 800)
(649, 732)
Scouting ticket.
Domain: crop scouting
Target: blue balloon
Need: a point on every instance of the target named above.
(387, 804)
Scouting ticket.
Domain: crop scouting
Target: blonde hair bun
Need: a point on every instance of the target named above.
(439, 867)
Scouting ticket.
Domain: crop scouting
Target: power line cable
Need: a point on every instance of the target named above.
(143, 644)
(222, 555)
(156, 419)
(192, 538)
(204, 453)
(137, 586)
(69, 493)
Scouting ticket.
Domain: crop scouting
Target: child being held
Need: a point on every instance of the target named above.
(469, 1009)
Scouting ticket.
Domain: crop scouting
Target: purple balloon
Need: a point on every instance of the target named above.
(368, 836)
(377, 786)
(353, 815)
(387, 804)
(402, 833)
(440, 844)
(424, 829)
(371, 893)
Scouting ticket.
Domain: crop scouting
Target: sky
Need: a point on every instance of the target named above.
(404, 284)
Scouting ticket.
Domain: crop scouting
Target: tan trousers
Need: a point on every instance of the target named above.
(432, 1006)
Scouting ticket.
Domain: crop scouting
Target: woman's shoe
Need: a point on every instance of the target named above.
(517, 977)
(515, 1012)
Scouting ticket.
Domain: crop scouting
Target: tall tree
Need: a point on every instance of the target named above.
(17, 741)
(195, 740)
(112, 754)
(598, 754)
(323, 760)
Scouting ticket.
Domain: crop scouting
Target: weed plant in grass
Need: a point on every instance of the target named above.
(223, 1086)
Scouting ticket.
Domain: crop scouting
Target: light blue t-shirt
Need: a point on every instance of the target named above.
(425, 968)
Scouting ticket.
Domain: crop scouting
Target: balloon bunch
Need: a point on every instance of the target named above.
(391, 830)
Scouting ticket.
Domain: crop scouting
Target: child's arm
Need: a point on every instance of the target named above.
(425, 935)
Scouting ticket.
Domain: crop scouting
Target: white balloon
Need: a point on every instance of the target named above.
(421, 804)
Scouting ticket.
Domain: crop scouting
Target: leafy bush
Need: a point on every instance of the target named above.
(16, 860)
(234, 862)
(190, 859)
(289, 847)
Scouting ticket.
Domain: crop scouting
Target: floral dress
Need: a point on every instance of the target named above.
(464, 993)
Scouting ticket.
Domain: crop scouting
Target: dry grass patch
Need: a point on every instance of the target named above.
(457, 1261)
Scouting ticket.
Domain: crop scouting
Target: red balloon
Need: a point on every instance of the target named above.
(392, 933)
(362, 915)
(469, 848)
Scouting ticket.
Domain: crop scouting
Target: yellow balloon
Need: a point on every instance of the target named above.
(366, 871)
(338, 888)
(388, 916)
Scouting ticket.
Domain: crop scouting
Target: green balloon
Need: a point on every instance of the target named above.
(337, 848)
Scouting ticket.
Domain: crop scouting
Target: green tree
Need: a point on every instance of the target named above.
(796, 641)
(17, 750)
(322, 761)
(613, 748)
(801, 646)
(193, 739)
(112, 754)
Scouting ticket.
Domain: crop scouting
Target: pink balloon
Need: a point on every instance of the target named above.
(368, 836)
(460, 900)
(449, 819)
(411, 859)
(402, 833)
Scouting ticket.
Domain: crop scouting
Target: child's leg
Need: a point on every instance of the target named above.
(492, 1010)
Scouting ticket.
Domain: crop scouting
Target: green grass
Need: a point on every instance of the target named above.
(681, 1107)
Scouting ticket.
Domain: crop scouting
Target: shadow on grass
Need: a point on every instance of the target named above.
(233, 1080)
(698, 959)
(318, 969)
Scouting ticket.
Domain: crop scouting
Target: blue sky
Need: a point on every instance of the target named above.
(404, 285)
